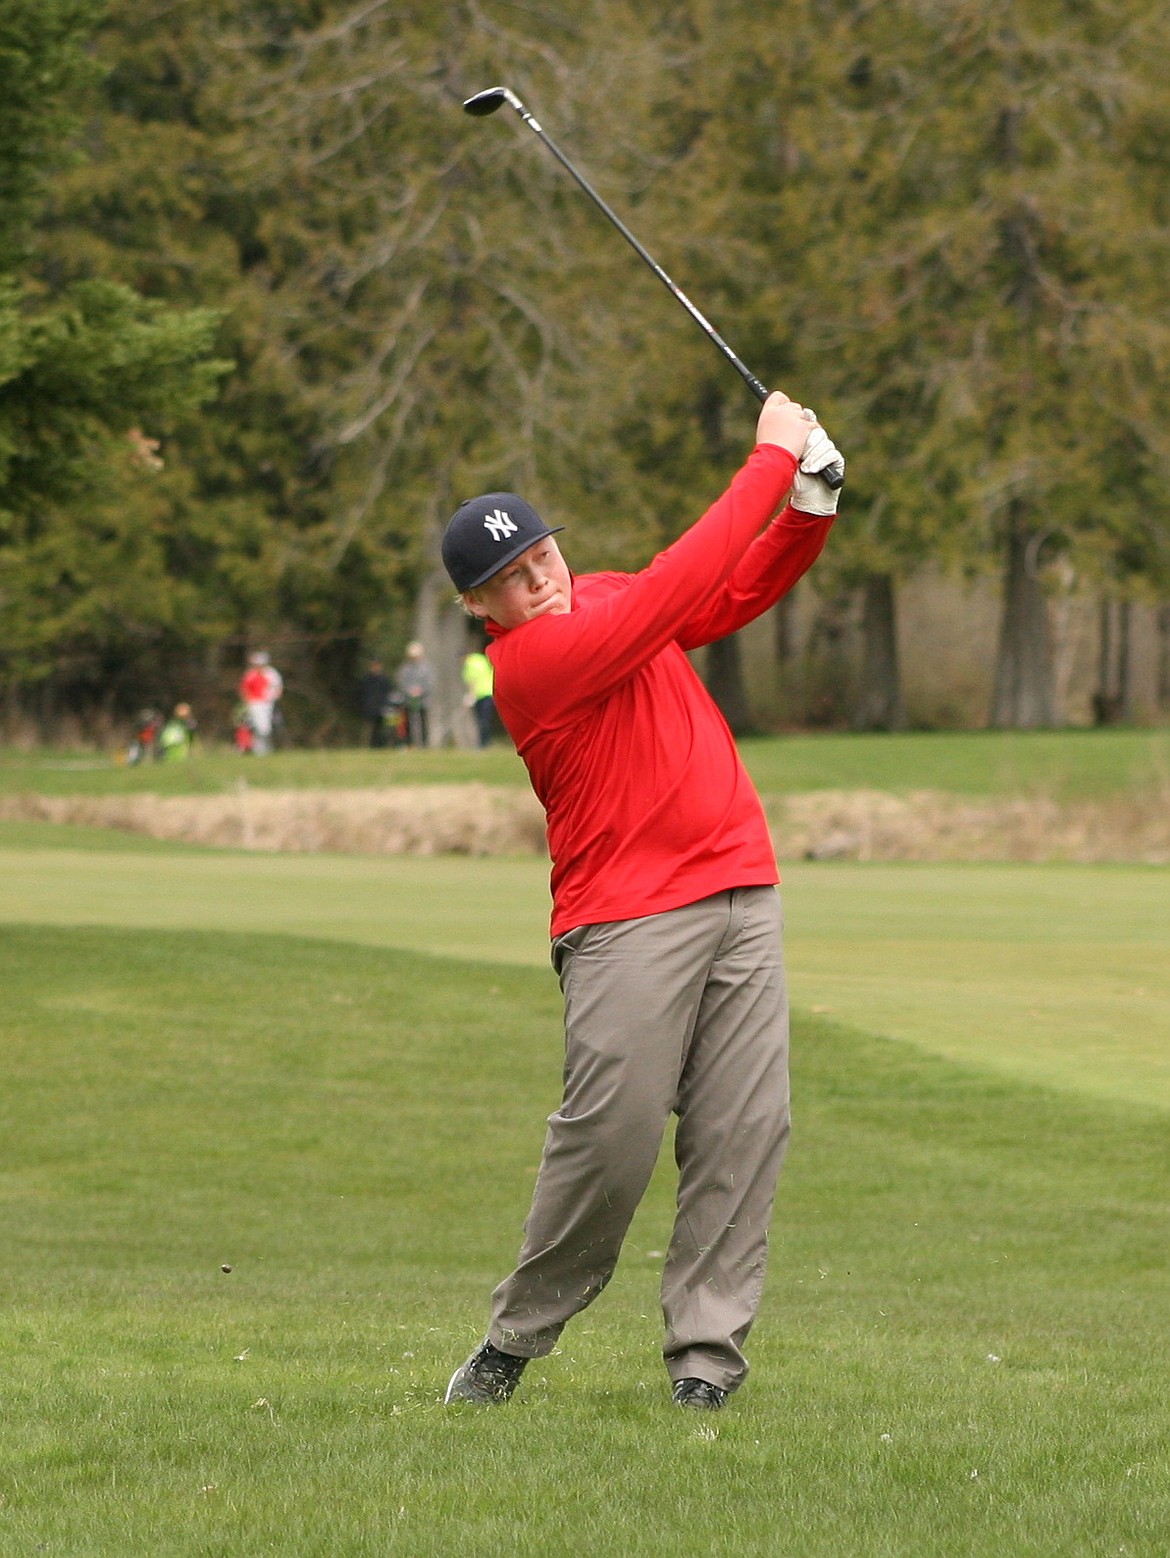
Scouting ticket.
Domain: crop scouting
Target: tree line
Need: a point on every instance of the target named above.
(272, 306)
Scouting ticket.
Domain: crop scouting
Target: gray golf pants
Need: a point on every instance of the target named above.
(684, 1011)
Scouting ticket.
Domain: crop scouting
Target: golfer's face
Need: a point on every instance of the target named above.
(535, 584)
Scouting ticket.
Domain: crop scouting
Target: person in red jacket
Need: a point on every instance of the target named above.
(666, 920)
(260, 688)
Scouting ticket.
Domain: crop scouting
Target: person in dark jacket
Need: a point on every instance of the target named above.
(373, 696)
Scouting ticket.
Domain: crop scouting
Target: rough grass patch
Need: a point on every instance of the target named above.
(481, 819)
(438, 819)
(932, 825)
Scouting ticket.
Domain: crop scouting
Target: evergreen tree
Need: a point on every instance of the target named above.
(163, 203)
(80, 366)
(448, 293)
(941, 224)
(986, 288)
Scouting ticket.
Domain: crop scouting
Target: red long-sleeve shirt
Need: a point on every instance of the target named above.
(647, 803)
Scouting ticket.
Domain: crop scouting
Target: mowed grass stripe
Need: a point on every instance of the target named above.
(1058, 974)
(1066, 764)
(961, 1348)
(496, 909)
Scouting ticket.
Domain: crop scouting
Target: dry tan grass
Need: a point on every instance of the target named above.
(455, 819)
(933, 826)
(476, 819)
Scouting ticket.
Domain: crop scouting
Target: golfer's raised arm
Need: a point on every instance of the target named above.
(770, 567)
(564, 663)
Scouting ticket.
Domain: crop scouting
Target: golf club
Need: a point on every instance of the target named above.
(484, 103)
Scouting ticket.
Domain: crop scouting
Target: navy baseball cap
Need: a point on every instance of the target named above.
(487, 533)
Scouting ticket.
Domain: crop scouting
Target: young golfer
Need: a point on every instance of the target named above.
(666, 919)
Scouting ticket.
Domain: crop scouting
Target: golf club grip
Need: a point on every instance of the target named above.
(833, 475)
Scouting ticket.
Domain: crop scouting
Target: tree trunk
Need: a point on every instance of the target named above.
(1124, 659)
(725, 684)
(46, 715)
(724, 657)
(1104, 710)
(784, 650)
(1163, 621)
(828, 671)
(879, 693)
(1113, 700)
(1025, 693)
(441, 627)
(784, 627)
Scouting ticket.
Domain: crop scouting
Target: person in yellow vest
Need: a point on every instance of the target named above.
(477, 680)
(176, 736)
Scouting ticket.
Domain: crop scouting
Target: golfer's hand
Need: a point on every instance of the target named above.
(811, 495)
(784, 422)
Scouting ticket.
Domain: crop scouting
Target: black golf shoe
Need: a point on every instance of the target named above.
(698, 1393)
(487, 1378)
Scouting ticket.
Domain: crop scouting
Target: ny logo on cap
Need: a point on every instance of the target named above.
(500, 525)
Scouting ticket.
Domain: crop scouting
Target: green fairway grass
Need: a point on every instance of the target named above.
(212, 771)
(1059, 974)
(66, 835)
(962, 1348)
(1068, 765)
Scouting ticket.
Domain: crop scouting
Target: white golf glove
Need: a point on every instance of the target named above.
(810, 494)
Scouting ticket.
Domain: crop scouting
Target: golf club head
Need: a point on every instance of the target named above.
(484, 103)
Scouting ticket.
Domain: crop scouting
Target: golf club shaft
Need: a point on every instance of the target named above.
(700, 319)
(834, 474)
